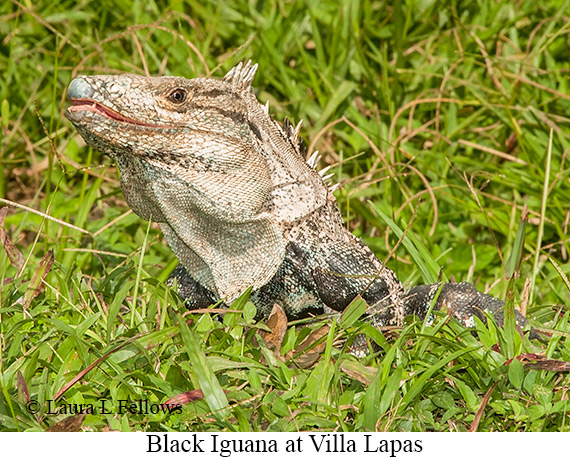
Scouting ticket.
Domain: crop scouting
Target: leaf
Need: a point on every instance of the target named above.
(559, 270)
(541, 362)
(422, 257)
(481, 410)
(231, 319)
(249, 312)
(529, 381)
(83, 372)
(23, 392)
(390, 390)
(355, 370)
(516, 373)
(551, 365)
(277, 323)
(222, 363)
(40, 274)
(14, 255)
(154, 339)
(343, 91)
(209, 384)
(5, 113)
(467, 393)
(418, 385)
(318, 383)
(443, 400)
(185, 397)
(280, 408)
(370, 404)
(513, 263)
(536, 412)
(69, 424)
(352, 312)
(305, 354)
(118, 299)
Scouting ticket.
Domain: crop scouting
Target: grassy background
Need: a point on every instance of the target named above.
(433, 112)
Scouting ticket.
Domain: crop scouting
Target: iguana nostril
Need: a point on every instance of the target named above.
(79, 88)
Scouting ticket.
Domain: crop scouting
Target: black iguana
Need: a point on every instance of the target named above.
(238, 203)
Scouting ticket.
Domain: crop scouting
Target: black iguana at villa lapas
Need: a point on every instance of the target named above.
(239, 204)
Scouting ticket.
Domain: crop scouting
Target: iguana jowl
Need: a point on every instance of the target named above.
(238, 203)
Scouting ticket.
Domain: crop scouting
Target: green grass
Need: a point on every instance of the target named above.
(439, 113)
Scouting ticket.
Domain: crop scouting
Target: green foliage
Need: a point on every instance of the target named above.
(436, 119)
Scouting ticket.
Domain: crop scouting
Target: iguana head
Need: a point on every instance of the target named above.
(211, 133)
(112, 109)
(203, 158)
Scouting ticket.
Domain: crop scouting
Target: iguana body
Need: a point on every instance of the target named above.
(238, 203)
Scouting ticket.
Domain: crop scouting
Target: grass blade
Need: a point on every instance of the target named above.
(209, 384)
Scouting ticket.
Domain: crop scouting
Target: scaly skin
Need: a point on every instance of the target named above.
(238, 203)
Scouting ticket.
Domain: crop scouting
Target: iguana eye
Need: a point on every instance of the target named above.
(177, 96)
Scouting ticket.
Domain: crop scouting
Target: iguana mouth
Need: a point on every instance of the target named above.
(87, 104)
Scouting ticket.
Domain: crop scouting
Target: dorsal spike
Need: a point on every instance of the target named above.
(314, 159)
(302, 147)
(278, 124)
(287, 127)
(298, 128)
(241, 76)
(323, 171)
(292, 134)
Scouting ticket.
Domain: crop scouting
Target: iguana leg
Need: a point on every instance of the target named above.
(462, 300)
(291, 287)
(343, 277)
(346, 270)
(194, 294)
(350, 269)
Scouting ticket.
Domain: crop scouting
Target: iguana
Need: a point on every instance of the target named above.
(239, 204)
